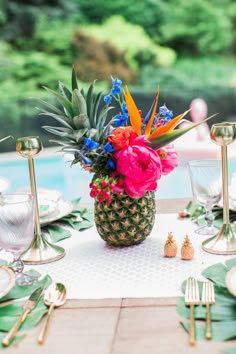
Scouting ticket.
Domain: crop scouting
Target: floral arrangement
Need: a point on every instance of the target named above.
(128, 152)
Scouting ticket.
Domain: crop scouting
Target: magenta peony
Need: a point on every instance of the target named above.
(141, 167)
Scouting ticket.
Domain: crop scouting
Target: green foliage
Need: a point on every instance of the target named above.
(138, 46)
(146, 13)
(209, 31)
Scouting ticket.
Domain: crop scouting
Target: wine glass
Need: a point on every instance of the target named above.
(17, 230)
(206, 183)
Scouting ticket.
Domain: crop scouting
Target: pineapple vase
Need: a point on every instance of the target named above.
(125, 221)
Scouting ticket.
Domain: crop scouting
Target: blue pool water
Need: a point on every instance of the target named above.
(54, 172)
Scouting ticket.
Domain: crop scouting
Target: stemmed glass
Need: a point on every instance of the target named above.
(17, 230)
(206, 183)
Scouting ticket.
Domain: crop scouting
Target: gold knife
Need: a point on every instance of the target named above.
(27, 308)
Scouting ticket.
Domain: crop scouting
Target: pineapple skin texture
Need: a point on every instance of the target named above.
(125, 221)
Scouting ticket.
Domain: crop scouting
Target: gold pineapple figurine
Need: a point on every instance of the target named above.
(170, 248)
(187, 250)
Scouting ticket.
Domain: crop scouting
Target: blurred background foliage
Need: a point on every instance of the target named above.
(186, 47)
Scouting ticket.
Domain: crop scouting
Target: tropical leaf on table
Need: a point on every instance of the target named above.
(223, 312)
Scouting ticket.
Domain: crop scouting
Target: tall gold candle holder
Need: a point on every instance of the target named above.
(224, 242)
(40, 251)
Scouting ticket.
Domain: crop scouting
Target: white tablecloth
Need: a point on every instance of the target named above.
(93, 270)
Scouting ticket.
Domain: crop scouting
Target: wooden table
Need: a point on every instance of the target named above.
(118, 326)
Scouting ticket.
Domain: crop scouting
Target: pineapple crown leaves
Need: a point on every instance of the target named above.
(80, 114)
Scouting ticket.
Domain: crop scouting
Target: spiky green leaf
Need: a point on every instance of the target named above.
(92, 133)
(102, 119)
(51, 107)
(64, 91)
(97, 101)
(81, 121)
(90, 99)
(74, 83)
(60, 131)
(63, 142)
(77, 134)
(63, 101)
(78, 103)
(61, 119)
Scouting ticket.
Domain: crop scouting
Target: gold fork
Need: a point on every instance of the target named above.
(208, 298)
(191, 299)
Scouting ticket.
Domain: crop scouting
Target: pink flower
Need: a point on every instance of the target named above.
(140, 166)
(169, 158)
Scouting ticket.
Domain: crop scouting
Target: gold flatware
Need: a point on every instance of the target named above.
(27, 308)
(192, 298)
(54, 296)
(208, 298)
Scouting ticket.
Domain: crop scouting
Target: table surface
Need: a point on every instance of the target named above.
(118, 326)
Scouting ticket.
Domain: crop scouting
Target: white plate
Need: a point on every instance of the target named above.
(63, 208)
(230, 280)
(7, 280)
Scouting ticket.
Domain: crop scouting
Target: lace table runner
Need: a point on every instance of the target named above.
(93, 270)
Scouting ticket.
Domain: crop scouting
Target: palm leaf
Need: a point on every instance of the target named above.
(134, 114)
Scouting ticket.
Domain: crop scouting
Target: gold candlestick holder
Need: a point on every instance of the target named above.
(224, 242)
(40, 251)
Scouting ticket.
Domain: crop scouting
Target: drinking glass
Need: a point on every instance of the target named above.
(17, 230)
(206, 183)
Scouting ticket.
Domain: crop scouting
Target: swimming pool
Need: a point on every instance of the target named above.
(53, 171)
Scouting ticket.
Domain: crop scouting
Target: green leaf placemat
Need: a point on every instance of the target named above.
(223, 312)
(196, 213)
(11, 310)
(79, 219)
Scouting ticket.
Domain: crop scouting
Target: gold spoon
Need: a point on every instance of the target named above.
(54, 296)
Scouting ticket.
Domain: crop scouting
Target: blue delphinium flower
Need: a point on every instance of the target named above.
(90, 143)
(108, 147)
(108, 99)
(116, 86)
(120, 120)
(164, 111)
(111, 164)
(124, 108)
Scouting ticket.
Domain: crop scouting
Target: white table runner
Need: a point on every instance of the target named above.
(93, 270)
